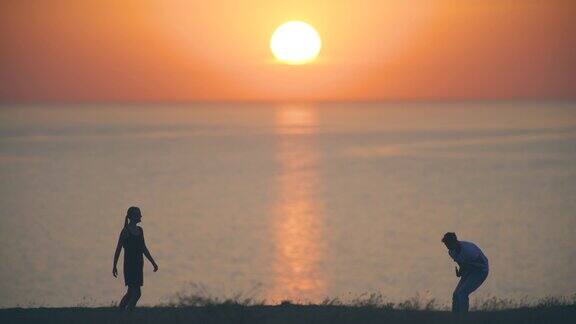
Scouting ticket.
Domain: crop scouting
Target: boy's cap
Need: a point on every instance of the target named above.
(449, 237)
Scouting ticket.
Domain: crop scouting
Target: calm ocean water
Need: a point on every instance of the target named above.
(287, 201)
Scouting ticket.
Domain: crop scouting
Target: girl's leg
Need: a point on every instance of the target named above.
(134, 296)
(124, 302)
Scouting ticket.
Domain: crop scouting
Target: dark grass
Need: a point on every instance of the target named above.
(288, 313)
(366, 308)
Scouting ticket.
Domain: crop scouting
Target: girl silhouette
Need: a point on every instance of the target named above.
(132, 240)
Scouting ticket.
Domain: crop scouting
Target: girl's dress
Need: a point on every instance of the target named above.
(133, 258)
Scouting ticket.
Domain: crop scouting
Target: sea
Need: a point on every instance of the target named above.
(286, 201)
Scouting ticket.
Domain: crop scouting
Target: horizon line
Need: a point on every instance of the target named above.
(290, 101)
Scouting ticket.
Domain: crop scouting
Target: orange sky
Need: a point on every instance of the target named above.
(72, 50)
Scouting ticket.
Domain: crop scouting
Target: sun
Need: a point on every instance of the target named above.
(295, 43)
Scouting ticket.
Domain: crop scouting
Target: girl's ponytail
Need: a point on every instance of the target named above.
(125, 221)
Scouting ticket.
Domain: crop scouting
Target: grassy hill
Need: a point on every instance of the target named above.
(287, 313)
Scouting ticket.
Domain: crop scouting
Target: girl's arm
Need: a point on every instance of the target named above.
(117, 253)
(149, 256)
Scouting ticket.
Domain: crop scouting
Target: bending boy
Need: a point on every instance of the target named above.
(472, 269)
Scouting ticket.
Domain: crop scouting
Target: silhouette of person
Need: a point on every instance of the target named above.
(473, 269)
(132, 240)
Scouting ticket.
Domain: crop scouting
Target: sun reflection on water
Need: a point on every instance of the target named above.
(297, 225)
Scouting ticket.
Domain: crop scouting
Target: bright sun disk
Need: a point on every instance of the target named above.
(295, 42)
